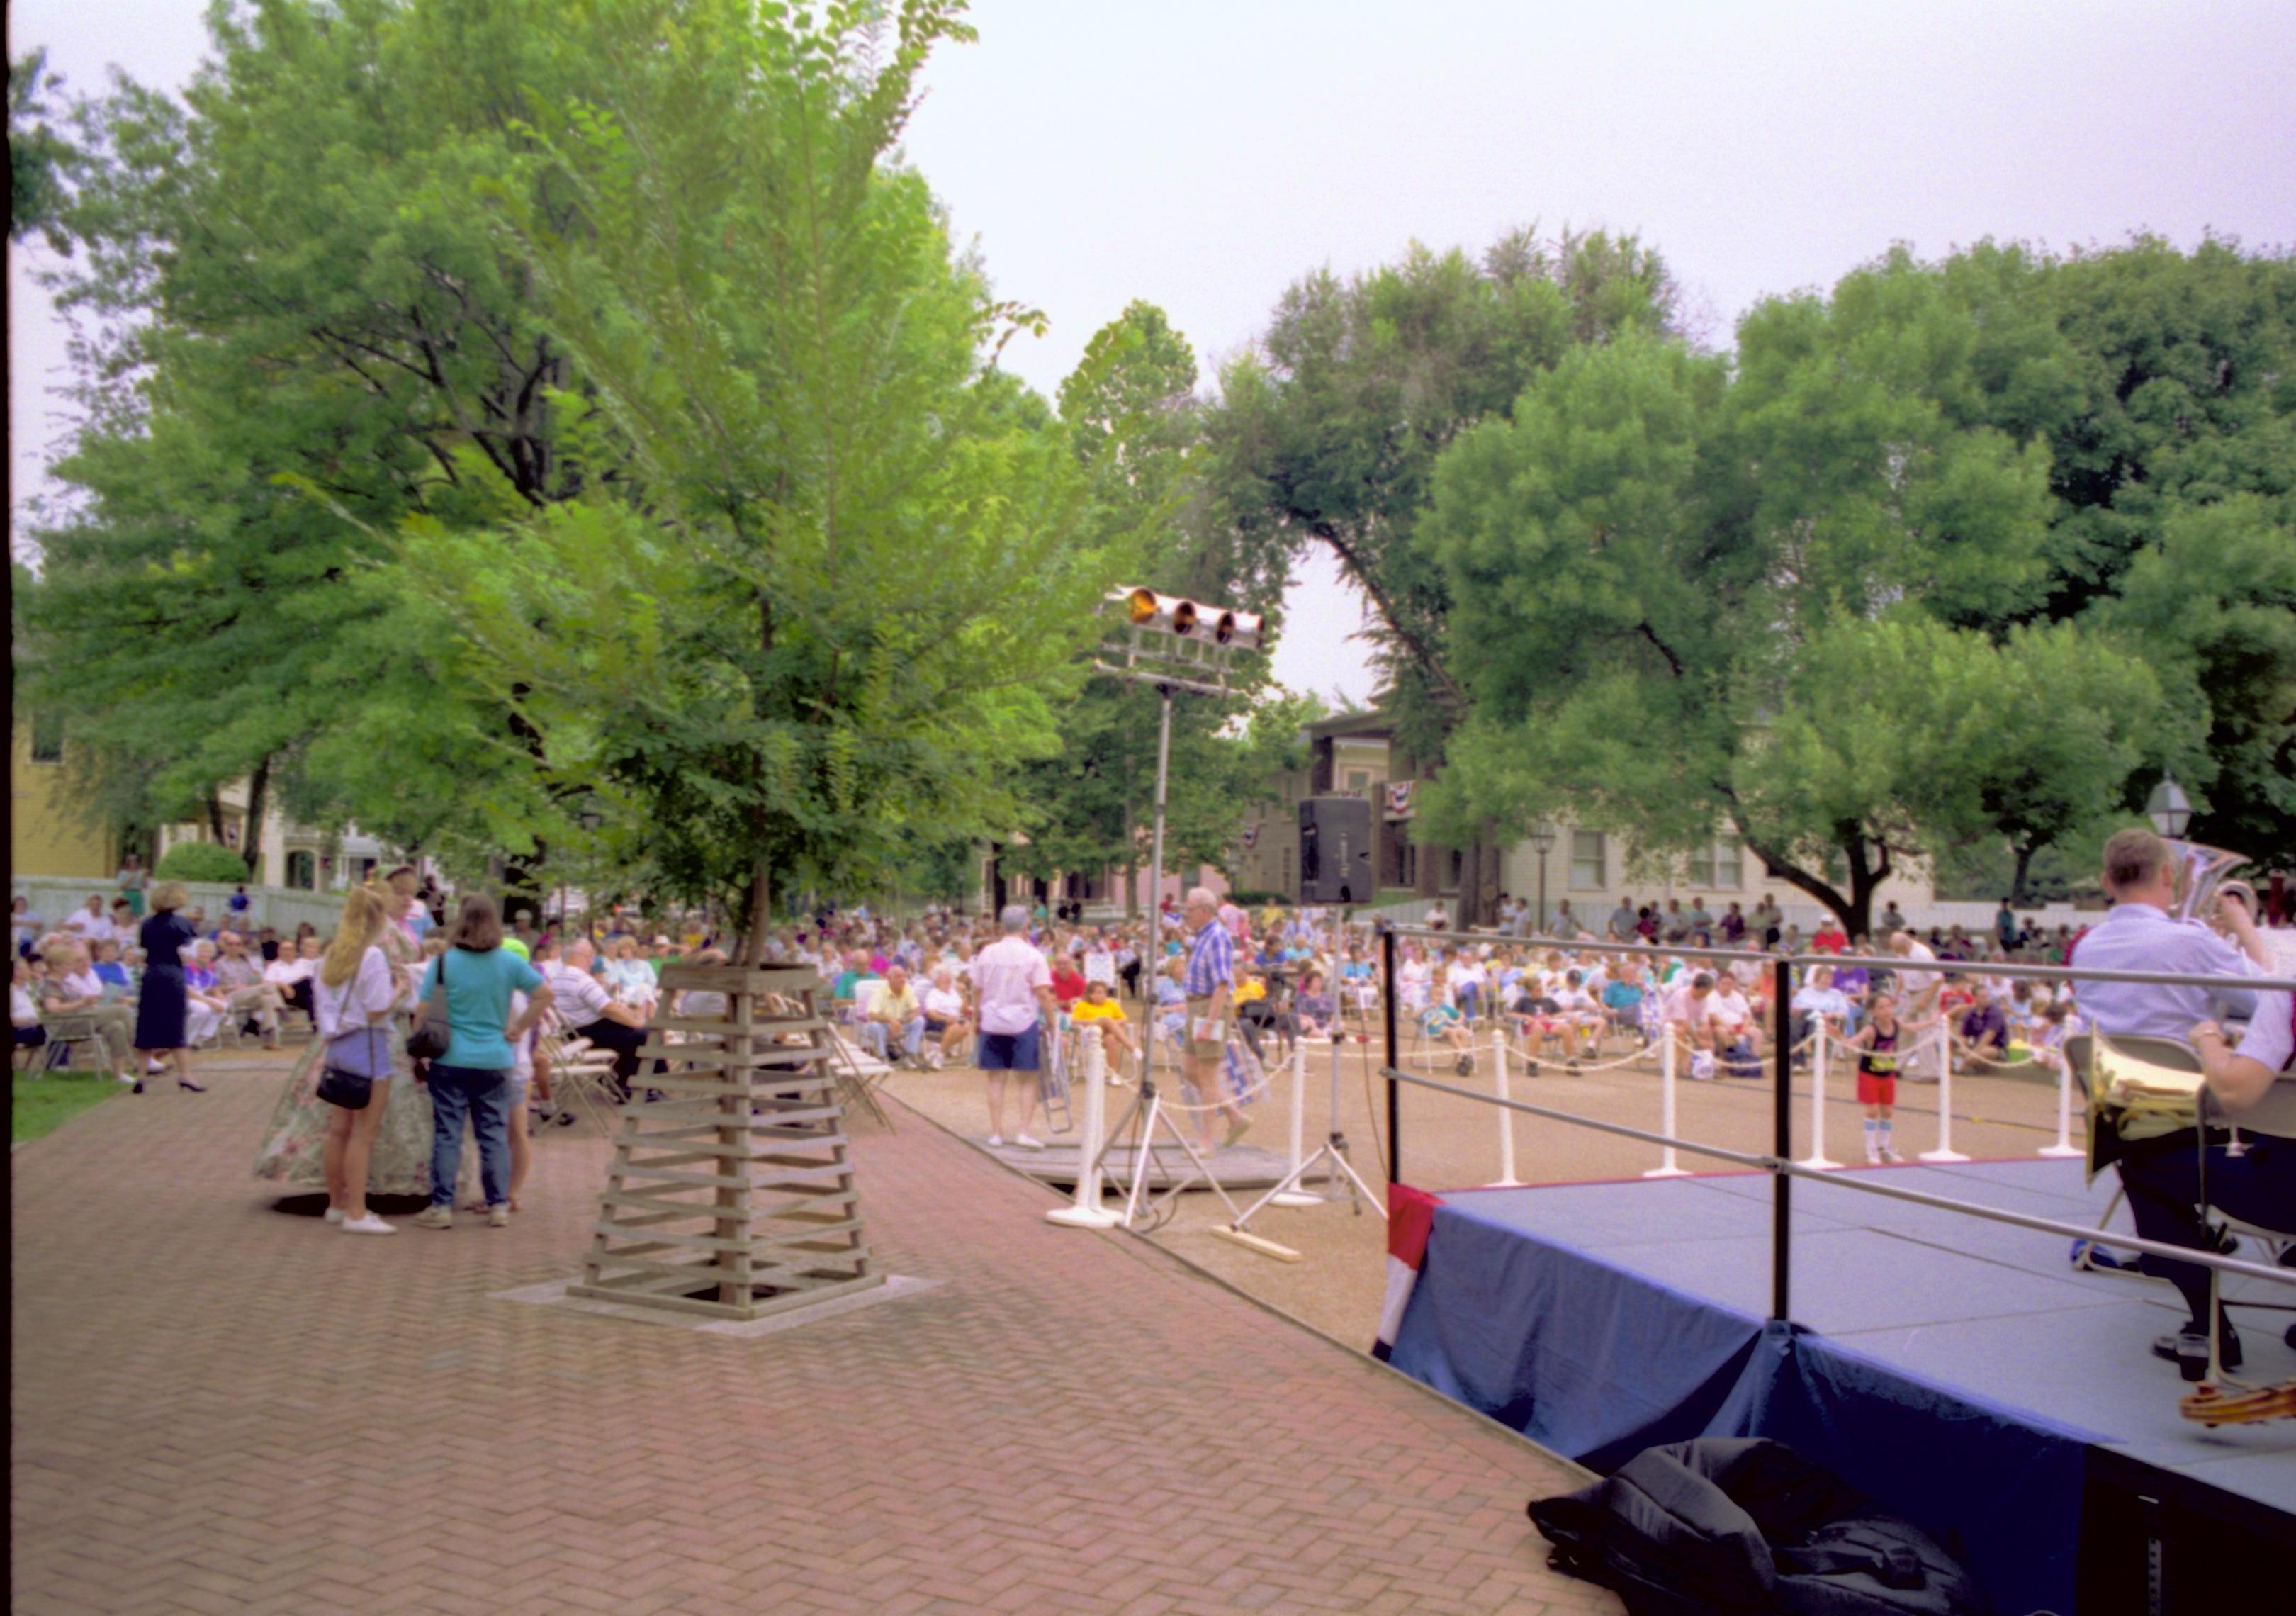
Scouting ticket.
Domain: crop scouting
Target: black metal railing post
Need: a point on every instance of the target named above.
(1394, 1089)
(1781, 1143)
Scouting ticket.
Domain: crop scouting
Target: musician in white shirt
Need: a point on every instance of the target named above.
(2163, 1172)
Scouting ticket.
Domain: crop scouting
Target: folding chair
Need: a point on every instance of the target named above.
(579, 1068)
(859, 1073)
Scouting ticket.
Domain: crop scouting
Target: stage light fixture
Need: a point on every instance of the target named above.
(1240, 629)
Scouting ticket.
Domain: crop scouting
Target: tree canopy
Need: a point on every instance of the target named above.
(592, 409)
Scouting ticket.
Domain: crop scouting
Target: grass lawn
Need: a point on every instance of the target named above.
(41, 1105)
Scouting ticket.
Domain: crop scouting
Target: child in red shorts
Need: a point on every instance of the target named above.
(1879, 1043)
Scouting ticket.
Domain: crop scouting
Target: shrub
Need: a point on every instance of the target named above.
(1247, 897)
(200, 861)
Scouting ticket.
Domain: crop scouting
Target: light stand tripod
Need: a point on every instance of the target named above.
(1334, 1147)
(1145, 1110)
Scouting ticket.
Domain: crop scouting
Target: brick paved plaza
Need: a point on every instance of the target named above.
(223, 1408)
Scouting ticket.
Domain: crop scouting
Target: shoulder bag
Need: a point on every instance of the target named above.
(427, 1042)
(354, 1059)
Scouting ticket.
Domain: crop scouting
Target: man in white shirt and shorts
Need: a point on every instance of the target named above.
(1013, 987)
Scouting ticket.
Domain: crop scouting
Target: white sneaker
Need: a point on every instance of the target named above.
(996, 1142)
(436, 1217)
(1026, 1143)
(334, 1214)
(368, 1225)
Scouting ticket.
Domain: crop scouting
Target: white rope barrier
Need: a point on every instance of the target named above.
(1506, 1179)
(1172, 1103)
(1816, 1160)
(1087, 1213)
(1667, 1167)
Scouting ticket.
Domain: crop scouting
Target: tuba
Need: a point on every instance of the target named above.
(2200, 873)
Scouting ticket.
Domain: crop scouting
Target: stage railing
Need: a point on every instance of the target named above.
(1779, 1162)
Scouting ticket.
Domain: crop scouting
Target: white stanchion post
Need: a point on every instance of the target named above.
(1299, 1141)
(1506, 1180)
(1667, 1167)
(1086, 1213)
(1816, 1160)
(2064, 1146)
(1945, 1151)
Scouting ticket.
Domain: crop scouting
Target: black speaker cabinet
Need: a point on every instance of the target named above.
(1336, 850)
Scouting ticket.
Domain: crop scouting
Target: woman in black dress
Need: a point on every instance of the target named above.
(159, 1006)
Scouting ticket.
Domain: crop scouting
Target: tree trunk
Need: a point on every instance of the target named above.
(762, 913)
(1854, 910)
(215, 818)
(2017, 894)
(1493, 864)
(251, 839)
(1131, 847)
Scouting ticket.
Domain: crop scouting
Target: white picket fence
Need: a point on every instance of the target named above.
(281, 909)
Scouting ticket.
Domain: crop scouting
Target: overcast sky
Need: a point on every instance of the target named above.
(1203, 155)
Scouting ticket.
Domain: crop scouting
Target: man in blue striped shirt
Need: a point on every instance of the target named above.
(1210, 984)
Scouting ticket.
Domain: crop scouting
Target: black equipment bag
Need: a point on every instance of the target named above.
(1746, 1527)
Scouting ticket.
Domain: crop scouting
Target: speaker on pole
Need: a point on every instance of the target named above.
(1336, 850)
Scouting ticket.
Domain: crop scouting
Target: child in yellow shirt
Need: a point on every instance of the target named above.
(1098, 1007)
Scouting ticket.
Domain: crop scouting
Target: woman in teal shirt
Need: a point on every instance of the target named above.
(478, 975)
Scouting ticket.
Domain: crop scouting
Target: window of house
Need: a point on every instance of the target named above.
(302, 871)
(47, 737)
(1729, 864)
(1586, 863)
(1701, 866)
(1359, 780)
(1458, 868)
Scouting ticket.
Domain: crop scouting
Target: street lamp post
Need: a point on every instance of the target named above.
(2170, 810)
(1542, 837)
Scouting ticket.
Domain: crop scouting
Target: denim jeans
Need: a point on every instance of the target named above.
(878, 1035)
(483, 1091)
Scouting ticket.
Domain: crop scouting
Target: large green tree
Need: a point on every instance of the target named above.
(1329, 431)
(1764, 596)
(298, 329)
(834, 600)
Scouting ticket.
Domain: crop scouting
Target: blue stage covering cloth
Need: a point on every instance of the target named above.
(1597, 1364)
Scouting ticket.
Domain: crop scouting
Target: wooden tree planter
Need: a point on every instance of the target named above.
(733, 1197)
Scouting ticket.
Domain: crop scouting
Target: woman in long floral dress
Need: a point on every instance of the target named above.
(400, 1164)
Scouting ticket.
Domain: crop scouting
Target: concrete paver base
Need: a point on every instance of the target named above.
(217, 1407)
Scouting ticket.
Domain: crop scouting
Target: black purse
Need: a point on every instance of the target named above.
(351, 1090)
(346, 1089)
(429, 1041)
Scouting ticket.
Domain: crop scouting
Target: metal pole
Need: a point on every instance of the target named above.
(1667, 1167)
(2064, 1146)
(1781, 1143)
(1506, 1178)
(1086, 1212)
(1394, 1093)
(1156, 889)
(1541, 926)
(1945, 1151)
(1299, 1137)
(1816, 1158)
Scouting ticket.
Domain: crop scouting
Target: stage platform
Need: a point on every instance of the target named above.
(1959, 1371)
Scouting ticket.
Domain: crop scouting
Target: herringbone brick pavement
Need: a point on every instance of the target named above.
(221, 1408)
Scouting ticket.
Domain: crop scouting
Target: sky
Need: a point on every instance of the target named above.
(1205, 155)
